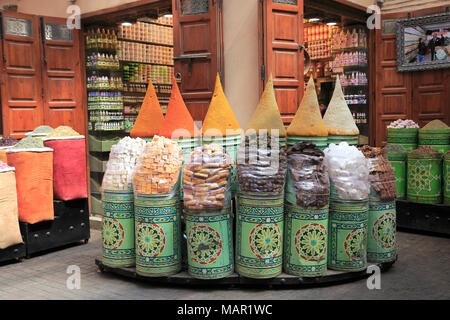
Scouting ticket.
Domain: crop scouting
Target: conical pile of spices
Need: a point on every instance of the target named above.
(308, 119)
(220, 116)
(338, 118)
(62, 131)
(150, 117)
(178, 117)
(29, 143)
(42, 129)
(436, 125)
(267, 115)
(424, 150)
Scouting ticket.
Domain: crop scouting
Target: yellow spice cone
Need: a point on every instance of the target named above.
(338, 118)
(308, 119)
(220, 116)
(267, 115)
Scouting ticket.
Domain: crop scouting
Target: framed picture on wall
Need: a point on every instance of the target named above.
(423, 43)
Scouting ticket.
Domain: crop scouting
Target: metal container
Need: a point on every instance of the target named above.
(347, 235)
(305, 241)
(381, 236)
(446, 178)
(259, 234)
(158, 234)
(398, 162)
(210, 243)
(424, 175)
(406, 137)
(438, 139)
(320, 142)
(118, 228)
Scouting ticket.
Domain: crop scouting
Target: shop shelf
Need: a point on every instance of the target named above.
(96, 164)
(95, 186)
(101, 145)
(146, 42)
(71, 225)
(148, 63)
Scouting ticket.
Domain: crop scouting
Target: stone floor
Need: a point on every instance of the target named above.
(422, 272)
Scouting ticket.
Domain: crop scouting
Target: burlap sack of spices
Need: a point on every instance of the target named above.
(34, 179)
(159, 167)
(9, 219)
(69, 167)
(207, 178)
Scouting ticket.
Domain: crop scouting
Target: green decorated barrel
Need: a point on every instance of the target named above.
(210, 243)
(381, 233)
(424, 175)
(259, 234)
(158, 234)
(347, 234)
(398, 162)
(446, 178)
(406, 137)
(336, 139)
(118, 228)
(305, 241)
(320, 142)
(438, 139)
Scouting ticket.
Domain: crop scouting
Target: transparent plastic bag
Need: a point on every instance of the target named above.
(349, 172)
(382, 178)
(262, 165)
(308, 175)
(207, 178)
(158, 169)
(122, 162)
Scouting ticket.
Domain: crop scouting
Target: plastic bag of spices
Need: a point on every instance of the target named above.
(261, 164)
(9, 219)
(308, 181)
(207, 178)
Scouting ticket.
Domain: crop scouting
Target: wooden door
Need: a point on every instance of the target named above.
(61, 75)
(21, 87)
(283, 58)
(198, 52)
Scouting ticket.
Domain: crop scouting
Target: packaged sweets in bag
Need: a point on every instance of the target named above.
(122, 163)
(261, 163)
(207, 178)
(349, 172)
(308, 175)
(159, 167)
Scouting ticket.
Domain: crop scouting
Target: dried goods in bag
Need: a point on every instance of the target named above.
(159, 167)
(382, 175)
(9, 218)
(122, 163)
(309, 175)
(207, 178)
(261, 163)
(348, 170)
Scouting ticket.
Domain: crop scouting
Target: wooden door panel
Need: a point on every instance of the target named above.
(21, 83)
(62, 76)
(282, 35)
(198, 53)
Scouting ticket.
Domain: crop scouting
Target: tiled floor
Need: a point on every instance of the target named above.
(422, 272)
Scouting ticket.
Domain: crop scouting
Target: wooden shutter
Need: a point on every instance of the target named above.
(198, 52)
(61, 75)
(21, 90)
(282, 35)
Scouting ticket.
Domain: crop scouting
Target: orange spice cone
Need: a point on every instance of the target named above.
(150, 117)
(220, 116)
(267, 115)
(178, 120)
(308, 119)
